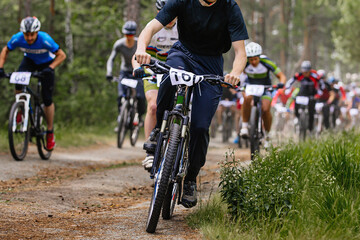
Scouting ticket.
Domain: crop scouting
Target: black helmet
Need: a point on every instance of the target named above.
(129, 28)
(30, 24)
(160, 4)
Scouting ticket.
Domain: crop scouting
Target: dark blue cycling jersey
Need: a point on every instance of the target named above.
(41, 51)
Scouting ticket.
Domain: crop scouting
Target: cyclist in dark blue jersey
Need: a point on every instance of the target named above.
(41, 53)
(207, 29)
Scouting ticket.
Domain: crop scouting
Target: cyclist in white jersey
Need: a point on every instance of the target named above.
(158, 48)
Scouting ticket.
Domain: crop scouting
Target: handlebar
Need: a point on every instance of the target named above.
(162, 68)
(33, 74)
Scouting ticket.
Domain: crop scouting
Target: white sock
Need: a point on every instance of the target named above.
(245, 124)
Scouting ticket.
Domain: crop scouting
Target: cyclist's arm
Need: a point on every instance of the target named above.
(290, 82)
(281, 76)
(238, 64)
(110, 61)
(3, 55)
(60, 56)
(144, 40)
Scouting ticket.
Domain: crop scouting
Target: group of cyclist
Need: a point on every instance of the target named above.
(191, 35)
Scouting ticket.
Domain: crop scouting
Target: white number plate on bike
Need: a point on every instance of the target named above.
(181, 77)
(354, 112)
(254, 90)
(129, 82)
(302, 100)
(22, 78)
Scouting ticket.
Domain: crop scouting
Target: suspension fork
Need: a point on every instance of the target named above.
(180, 152)
(259, 106)
(159, 144)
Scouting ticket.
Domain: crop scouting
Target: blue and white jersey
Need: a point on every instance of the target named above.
(41, 51)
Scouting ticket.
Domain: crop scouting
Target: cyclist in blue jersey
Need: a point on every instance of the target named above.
(43, 54)
(207, 29)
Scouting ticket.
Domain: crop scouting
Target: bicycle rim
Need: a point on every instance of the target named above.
(18, 138)
(162, 179)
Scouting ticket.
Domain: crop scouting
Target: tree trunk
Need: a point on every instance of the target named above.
(262, 20)
(19, 12)
(68, 33)
(132, 10)
(51, 18)
(27, 7)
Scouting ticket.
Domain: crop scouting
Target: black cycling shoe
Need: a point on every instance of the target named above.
(151, 142)
(189, 197)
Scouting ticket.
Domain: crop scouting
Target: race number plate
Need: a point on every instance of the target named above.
(354, 112)
(255, 90)
(302, 100)
(181, 77)
(129, 82)
(22, 78)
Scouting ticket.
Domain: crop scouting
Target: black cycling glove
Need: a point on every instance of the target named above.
(280, 85)
(109, 78)
(139, 73)
(2, 72)
(47, 72)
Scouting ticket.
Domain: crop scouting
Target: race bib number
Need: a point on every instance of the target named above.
(181, 77)
(255, 90)
(129, 82)
(354, 112)
(302, 100)
(22, 78)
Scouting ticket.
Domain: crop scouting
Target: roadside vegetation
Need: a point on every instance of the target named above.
(299, 191)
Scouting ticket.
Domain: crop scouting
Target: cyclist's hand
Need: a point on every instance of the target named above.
(139, 73)
(280, 85)
(142, 57)
(232, 79)
(2, 72)
(47, 72)
(109, 78)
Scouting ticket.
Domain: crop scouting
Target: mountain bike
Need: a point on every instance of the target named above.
(256, 132)
(27, 119)
(128, 118)
(171, 154)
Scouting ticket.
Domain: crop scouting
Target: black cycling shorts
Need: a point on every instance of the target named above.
(47, 85)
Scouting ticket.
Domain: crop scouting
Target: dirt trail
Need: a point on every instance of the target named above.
(91, 193)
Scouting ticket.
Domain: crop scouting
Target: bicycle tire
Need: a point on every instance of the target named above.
(254, 138)
(134, 129)
(303, 126)
(122, 128)
(162, 179)
(170, 200)
(17, 155)
(40, 141)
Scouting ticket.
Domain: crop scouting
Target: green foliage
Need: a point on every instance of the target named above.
(307, 191)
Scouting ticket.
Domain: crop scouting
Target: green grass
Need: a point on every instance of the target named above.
(307, 191)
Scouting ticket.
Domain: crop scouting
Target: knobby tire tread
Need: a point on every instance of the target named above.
(44, 154)
(122, 125)
(254, 140)
(164, 181)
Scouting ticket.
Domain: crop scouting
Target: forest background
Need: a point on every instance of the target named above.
(324, 31)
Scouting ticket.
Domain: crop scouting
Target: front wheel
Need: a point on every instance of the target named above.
(254, 132)
(18, 131)
(135, 126)
(41, 127)
(162, 178)
(122, 128)
(170, 200)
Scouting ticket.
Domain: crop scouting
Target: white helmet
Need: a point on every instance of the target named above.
(322, 73)
(30, 24)
(253, 49)
(305, 66)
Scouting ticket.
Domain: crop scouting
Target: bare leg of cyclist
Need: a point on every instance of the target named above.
(150, 118)
(49, 113)
(246, 111)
